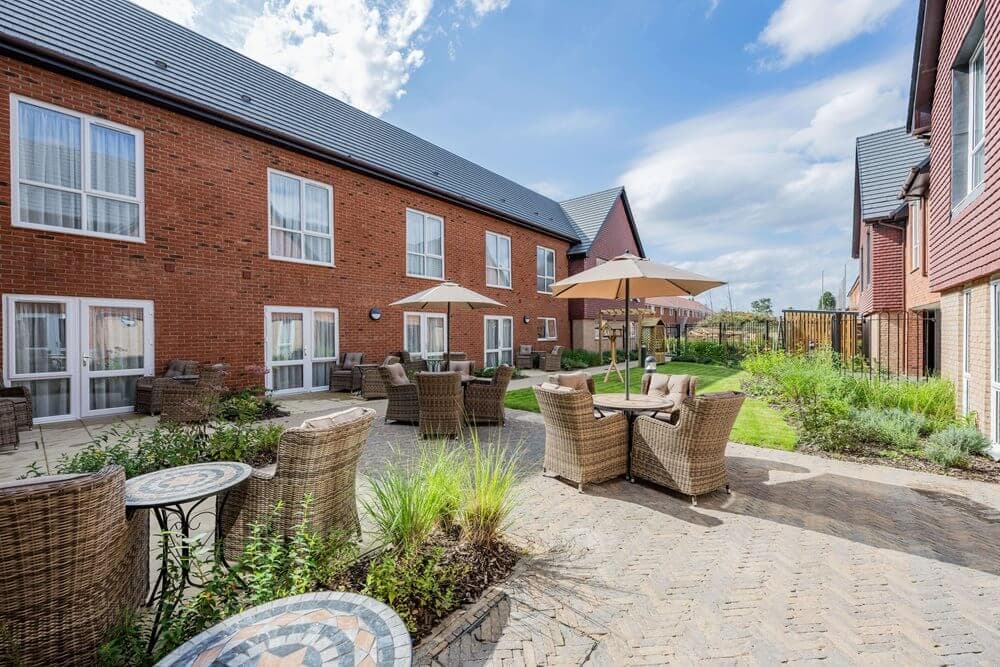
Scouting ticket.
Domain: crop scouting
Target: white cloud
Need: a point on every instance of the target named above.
(178, 11)
(710, 9)
(799, 29)
(484, 7)
(760, 193)
(571, 121)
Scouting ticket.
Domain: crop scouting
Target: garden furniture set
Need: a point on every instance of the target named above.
(665, 435)
(528, 358)
(188, 392)
(15, 415)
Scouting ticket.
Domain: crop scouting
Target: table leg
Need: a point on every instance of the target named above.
(630, 418)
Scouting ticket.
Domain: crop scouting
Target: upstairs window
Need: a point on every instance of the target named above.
(75, 173)
(546, 269)
(424, 245)
(497, 260)
(868, 257)
(968, 106)
(301, 219)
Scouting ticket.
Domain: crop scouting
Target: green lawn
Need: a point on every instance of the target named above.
(758, 423)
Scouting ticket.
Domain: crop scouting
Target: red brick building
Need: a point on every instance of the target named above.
(953, 98)
(153, 207)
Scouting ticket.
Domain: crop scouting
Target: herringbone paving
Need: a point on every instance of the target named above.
(808, 560)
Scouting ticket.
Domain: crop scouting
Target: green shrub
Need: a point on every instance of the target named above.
(947, 454)
(870, 430)
(934, 398)
(491, 371)
(488, 495)
(404, 507)
(709, 352)
(416, 583)
(578, 358)
(248, 405)
(968, 439)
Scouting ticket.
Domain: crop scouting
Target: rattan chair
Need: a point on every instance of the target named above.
(580, 447)
(576, 380)
(318, 459)
(149, 388)
(343, 374)
(74, 562)
(672, 387)
(9, 436)
(402, 394)
(525, 358)
(551, 361)
(411, 363)
(463, 367)
(484, 399)
(193, 402)
(19, 397)
(439, 397)
(372, 384)
(689, 456)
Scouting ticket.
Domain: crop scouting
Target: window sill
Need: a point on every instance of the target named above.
(434, 278)
(498, 287)
(328, 265)
(545, 293)
(546, 340)
(78, 232)
(969, 199)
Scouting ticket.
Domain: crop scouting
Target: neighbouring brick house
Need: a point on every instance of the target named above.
(897, 307)
(678, 310)
(162, 196)
(953, 105)
(606, 228)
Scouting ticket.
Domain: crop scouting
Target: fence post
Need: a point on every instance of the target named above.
(720, 333)
(767, 334)
(835, 334)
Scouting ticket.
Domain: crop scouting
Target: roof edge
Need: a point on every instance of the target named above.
(86, 72)
(923, 73)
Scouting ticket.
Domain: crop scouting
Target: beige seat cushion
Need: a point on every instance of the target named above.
(464, 367)
(333, 419)
(577, 380)
(397, 375)
(551, 386)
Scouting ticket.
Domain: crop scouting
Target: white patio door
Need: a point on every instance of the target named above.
(300, 345)
(79, 357)
(995, 361)
(499, 340)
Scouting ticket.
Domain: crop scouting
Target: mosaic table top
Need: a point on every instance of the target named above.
(315, 629)
(171, 486)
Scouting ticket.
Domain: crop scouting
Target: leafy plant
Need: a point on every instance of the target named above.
(874, 430)
(968, 439)
(947, 454)
(444, 472)
(417, 583)
(488, 498)
(248, 405)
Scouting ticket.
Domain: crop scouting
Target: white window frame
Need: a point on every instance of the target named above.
(916, 233)
(995, 360)
(308, 343)
(868, 257)
(975, 99)
(545, 276)
(966, 342)
(550, 332)
(303, 182)
(85, 191)
(499, 269)
(406, 248)
(424, 317)
(498, 350)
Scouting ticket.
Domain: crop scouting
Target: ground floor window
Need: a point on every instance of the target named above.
(995, 361)
(966, 360)
(424, 334)
(80, 357)
(499, 340)
(547, 328)
(300, 346)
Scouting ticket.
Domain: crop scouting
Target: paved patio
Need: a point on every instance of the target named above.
(809, 559)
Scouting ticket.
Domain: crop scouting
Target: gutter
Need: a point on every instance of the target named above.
(76, 69)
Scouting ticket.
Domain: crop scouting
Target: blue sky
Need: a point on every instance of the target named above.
(730, 122)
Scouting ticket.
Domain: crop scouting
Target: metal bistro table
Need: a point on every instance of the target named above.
(312, 629)
(632, 407)
(165, 492)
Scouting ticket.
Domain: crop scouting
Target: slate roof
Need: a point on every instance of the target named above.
(884, 160)
(588, 213)
(157, 56)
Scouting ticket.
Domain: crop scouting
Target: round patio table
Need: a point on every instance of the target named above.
(632, 407)
(313, 629)
(165, 492)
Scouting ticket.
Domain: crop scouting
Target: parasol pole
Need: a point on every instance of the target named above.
(627, 349)
(447, 337)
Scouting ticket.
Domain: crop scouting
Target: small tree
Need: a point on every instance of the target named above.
(762, 306)
(827, 301)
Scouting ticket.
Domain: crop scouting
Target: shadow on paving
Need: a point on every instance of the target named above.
(933, 524)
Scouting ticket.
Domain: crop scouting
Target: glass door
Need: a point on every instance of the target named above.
(499, 340)
(116, 350)
(300, 345)
(424, 334)
(41, 352)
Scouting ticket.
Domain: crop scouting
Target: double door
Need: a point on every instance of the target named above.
(300, 346)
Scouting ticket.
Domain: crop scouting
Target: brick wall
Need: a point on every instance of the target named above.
(205, 260)
(917, 284)
(979, 348)
(885, 290)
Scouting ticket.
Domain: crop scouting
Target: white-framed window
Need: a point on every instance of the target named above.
(968, 112)
(75, 173)
(916, 233)
(497, 260)
(977, 115)
(424, 334)
(300, 218)
(546, 269)
(498, 340)
(868, 257)
(547, 328)
(424, 245)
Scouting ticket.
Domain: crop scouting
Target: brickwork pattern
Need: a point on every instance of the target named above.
(979, 348)
(205, 260)
(917, 285)
(885, 290)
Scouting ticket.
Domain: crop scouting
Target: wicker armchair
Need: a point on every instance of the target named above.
(411, 363)
(689, 456)
(193, 402)
(149, 388)
(372, 384)
(74, 562)
(525, 358)
(551, 361)
(319, 459)
(9, 437)
(581, 380)
(19, 398)
(579, 446)
(672, 387)
(344, 376)
(402, 394)
(439, 397)
(484, 400)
